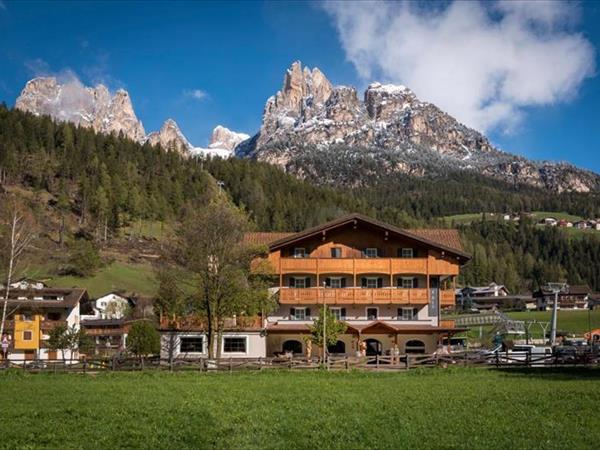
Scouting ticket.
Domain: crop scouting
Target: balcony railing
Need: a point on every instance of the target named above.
(346, 296)
(418, 266)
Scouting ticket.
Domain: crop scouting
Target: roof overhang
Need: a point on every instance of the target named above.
(355, 219)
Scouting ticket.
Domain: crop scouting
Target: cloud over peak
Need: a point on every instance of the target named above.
(483, 63)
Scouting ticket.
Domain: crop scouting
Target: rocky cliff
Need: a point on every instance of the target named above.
(86, 106)
(389, 130)
(95, 107)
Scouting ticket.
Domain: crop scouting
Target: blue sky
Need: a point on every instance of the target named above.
(236, 54)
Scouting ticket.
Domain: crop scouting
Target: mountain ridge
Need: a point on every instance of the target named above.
(398, 133)
(97, 108)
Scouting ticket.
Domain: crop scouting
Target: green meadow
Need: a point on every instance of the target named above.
(426, 408)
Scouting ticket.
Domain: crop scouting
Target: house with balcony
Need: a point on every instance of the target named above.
(387, 284)
(32, 313)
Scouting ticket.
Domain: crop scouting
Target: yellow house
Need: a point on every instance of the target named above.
(27, 331)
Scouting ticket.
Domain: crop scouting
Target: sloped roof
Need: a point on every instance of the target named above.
(443, 239)
(71, 297)
(264, 237)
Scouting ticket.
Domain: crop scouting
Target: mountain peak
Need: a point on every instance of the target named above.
(309, 120)
(224, 138)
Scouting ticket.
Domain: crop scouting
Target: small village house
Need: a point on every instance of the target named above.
(574, 297)
(33, 313)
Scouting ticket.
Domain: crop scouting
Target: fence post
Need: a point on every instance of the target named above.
(260, 363)
(112, 363)
(84, 364)
(377, 361)
(347, 363)
(230, 366)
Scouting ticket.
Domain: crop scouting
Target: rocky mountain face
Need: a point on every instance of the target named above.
(95, 107)
(226, 139)
(85, 106)
(170, 138)
(387, 131)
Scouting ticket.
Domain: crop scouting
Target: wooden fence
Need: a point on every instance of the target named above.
(380, 363)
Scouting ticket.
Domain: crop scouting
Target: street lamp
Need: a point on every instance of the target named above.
(555, 288)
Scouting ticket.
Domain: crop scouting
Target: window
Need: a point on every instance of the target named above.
(27, 316)
(406, 283)
(372, 313)
(370, 252)
(300, 313)
(371, 282)
(54, 316)
(408, 313)
(27, 335)
(336, 282)
(300, 283)
(234, 345)
(336, 252)
(193, 344)
(338, 313)
(299, 252)
(406, 253)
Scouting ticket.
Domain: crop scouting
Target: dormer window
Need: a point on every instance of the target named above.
(299, 252)
(370, 252)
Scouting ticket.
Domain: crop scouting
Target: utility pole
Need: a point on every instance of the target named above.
(555, 288)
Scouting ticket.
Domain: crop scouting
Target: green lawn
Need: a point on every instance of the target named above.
(429, 408)
(138, 278)
(572, 321)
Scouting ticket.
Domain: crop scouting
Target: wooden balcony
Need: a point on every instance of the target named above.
(391, 266)
(447, 297)
(348, 296)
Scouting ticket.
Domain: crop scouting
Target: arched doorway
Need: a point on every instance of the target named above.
(415, 346)
(338, 348)
(292, 346)
(374, 347)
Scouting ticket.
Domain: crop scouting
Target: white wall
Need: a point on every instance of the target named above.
(255, 345)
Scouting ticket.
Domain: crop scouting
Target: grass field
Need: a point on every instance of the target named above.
(430, 408)
(138, 278)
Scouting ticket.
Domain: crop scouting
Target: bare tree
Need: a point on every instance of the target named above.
(215, 275)
(17, 238)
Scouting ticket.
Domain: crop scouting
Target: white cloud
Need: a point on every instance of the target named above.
(483, 63)
(196, 94)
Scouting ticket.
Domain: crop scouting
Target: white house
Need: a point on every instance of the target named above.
(109, 306)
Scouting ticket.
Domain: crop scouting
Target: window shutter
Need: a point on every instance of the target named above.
(364, 252)
(399, 282)
(307, 312)
(379, 282)
(415, 283)
(292, 282)
(400, 313)
(415, 312)
(343, 282)
(380, 252)
(307, 282)
(292, 312)
(328, 282)
(343, 313)
(363, 282)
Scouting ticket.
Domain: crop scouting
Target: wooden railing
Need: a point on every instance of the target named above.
(355, 265)
(345, 296)
(447, 297)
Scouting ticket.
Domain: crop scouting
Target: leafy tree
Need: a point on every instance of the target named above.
(143, 339)
(84, 258)
(333, 328)
(57, 339)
